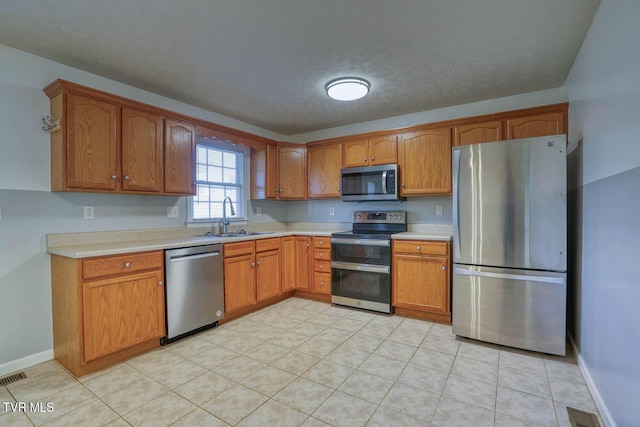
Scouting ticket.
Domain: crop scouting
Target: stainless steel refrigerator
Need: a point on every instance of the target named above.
(510, 243)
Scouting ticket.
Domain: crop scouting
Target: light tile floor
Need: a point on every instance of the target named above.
(308, 363)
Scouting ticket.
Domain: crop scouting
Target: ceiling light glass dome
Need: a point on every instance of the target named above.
(347, 88)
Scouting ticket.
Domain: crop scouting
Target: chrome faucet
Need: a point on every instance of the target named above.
(225, 218)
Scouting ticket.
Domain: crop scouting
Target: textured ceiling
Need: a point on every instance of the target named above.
(266, 62)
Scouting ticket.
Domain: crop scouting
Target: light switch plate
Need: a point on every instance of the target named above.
(89, 212)
(173, 211)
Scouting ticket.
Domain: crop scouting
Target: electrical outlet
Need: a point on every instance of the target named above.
(173, 211)
(89, 212)
(439, 210)
(332, 211)
(258, 211)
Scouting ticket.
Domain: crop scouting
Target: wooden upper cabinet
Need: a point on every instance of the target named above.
(536, 125)
(383, 150)
(368, 152)
(478, 132)
(292, 172)
(271, 179)
(424, 159)
(179, 157)
(92, 144)
(325, 163)
(142, 136)
(355, 153)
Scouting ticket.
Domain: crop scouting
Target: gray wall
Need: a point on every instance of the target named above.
(604, 92)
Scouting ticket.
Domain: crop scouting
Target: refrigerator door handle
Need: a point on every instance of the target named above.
(456, 201)
(544, 279)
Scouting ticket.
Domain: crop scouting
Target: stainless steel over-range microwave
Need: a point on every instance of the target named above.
(370, 183)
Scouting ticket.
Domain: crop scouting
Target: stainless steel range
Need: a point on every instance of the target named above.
(361, 260)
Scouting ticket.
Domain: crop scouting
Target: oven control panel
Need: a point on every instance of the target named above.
(380, 217)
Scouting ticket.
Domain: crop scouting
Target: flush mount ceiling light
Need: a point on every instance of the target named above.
(347, 88)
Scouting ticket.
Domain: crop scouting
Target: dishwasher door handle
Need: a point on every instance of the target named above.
(181, 258)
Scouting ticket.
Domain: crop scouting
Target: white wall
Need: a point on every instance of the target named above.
(30, 210)
(604, 91)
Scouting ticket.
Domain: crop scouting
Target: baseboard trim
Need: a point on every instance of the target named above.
(25, 362)
(602, 407)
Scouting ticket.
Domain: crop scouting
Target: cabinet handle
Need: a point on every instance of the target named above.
(365, 159)
(259, 262)
(402, 185)
(321, 255)
(253, 264)
(322, 267)
(338, 188)
(114, 176)
(126, 177)
(443, 268)
(373, 158)
(160, 283)
(321, 283)
(321, 242)
(308, 245)
(127, 264)
(417, 248)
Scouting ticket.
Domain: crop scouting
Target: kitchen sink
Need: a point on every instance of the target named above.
(240, 233)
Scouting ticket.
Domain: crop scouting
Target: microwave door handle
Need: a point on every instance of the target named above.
(384, 182)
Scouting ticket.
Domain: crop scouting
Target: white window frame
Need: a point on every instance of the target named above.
(240, 205)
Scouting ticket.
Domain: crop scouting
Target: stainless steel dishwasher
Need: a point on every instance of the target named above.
(194, 290)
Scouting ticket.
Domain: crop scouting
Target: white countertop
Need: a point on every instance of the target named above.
(91, 246)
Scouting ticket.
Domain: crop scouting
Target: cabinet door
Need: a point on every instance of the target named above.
(239, 282)
(92, 144)
(122, 312)
(355, 153)
(533, 126)
(141, 151)
(421, 282)
(304, 252)
(478, 132)
(424, 159)
(267, 274)
(383, 150)
(292, 173)
(179, 157)
(288, 263)
(325, 163)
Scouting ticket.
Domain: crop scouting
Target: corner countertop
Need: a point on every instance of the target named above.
(86, 245)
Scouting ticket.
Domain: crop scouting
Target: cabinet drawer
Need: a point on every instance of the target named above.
(421, 247)
(240, 248)
(267, 244)
(322, 242)
(322, 254)
(322, 283)
(322, 266)
(121, 264)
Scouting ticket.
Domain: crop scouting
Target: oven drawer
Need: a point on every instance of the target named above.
(420, 247)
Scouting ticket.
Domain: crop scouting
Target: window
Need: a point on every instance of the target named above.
(218, 175)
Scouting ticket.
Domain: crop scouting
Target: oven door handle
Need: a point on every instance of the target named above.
(361, 267)
(360, 242)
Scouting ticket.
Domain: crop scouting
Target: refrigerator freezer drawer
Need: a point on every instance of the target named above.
(517, 308)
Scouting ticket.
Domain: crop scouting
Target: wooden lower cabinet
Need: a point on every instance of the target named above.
(239, 281)
(304, 260)
(106, 309)
(422, 279)
(288, 251)
(252, 273)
